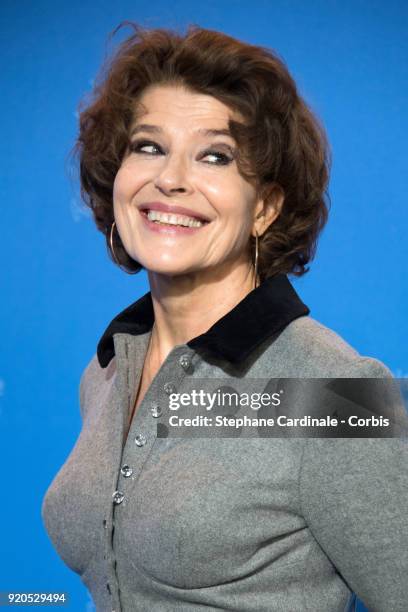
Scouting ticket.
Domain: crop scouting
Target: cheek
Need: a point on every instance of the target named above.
(127, 182)
(119, 188)
(234, 203)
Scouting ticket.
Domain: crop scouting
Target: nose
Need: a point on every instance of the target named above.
(173, 176)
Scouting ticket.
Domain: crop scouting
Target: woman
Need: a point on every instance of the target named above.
(204, 166)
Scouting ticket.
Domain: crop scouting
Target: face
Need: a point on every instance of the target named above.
(175, 162)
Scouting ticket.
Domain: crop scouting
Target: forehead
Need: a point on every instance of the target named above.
(175, 103)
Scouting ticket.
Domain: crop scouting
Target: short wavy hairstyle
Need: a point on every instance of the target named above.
(281, 141)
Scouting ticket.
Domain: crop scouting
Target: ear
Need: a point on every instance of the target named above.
(267, 209)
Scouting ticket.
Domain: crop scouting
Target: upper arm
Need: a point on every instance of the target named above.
(354, 497)
(83, 386)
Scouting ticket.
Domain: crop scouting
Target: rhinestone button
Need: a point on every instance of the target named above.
(156, 411)
(140, 440)
(169, 388)
(185, 361)
(118, 497)
(126, 471)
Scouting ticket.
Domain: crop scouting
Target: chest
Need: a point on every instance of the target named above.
(188, 512)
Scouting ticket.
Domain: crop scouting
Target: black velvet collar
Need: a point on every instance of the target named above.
(264, 311)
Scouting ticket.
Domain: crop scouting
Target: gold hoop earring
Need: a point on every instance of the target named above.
(113, 251)
(256, 259)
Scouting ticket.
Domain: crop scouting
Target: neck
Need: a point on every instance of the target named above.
(187, 305)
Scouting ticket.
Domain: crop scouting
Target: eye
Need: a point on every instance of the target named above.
(137, 145)
(224, 160)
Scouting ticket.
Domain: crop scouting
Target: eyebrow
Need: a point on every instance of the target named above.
(155, 129)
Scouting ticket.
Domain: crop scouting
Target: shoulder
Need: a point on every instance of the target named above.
(94, 382)
(312, 349)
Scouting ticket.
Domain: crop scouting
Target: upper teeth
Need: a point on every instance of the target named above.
(155, 215)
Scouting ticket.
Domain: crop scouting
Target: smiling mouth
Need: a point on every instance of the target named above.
(172, 220)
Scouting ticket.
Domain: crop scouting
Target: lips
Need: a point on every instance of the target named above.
(173, 210)
(169, 229)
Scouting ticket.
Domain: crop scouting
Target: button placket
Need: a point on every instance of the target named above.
(143, 432)
(141, 438)
(132, 457)
(140, 434)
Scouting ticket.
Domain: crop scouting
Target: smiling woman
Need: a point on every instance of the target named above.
(206, 107)
(204, 166)
(191, 165)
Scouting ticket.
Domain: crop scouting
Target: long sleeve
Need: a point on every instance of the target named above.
(354, 497)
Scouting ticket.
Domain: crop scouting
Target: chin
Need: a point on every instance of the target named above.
(163, 266)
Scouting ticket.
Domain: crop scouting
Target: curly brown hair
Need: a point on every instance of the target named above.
(281, 141)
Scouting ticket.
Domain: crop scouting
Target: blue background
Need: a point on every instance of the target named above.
(60, 290)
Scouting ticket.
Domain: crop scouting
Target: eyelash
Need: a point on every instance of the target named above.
(137, 145)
